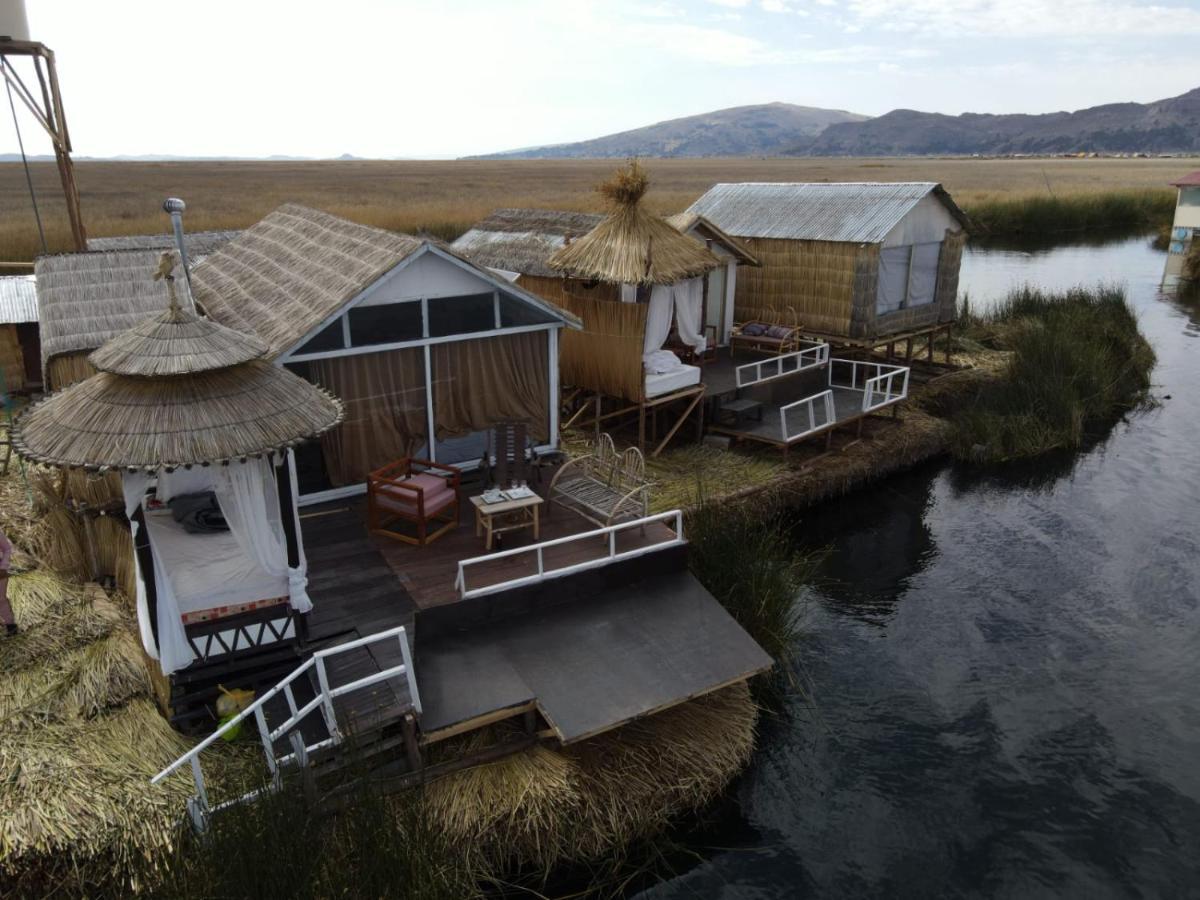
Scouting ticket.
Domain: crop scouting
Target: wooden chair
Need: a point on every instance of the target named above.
(507, 458)
(407, 491)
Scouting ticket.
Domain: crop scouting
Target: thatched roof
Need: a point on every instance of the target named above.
(286, 274)
(860, 212)
(86, 299)
(199, 243)
(175, 391)
(631, 245)
(176, 343)
(121, 422)
(522, 240)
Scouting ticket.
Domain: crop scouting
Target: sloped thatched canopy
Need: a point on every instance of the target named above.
(631, 245)
(175, 391)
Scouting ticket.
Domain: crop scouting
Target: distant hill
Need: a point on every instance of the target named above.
(1163, 126)
(769, 129)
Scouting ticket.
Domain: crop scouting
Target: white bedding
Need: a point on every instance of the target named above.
(209, 570)
(666, 382)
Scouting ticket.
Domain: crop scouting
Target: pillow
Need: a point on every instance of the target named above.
(657, 362)
(779, 332)
(754, 329)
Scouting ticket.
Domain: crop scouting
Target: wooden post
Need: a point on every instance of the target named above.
(642, 427)
(932, 338)
(411, 749)
(949, 340)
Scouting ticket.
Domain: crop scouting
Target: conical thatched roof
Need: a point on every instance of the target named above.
(176, 390)
(631, 245)
(121, 422)
(176, 343)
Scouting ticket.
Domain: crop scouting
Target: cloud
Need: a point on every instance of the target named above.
(1026, 18)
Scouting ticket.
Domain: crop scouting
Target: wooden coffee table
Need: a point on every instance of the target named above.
(492, 519)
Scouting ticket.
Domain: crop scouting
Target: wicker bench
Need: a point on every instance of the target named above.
(604, 486)
(785, 336)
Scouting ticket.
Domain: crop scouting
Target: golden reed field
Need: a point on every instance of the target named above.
(445, 197)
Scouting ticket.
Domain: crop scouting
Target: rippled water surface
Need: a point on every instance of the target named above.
(1005, 667)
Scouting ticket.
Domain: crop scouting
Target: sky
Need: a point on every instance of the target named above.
(407, 78)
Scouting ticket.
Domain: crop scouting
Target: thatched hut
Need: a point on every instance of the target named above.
(518, 242)
(201, 429)
(855, 263)
(20, 347)
(630, 277)
(427, 350)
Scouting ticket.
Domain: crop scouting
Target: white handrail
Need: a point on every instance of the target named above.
(611, 555)
(885, 381)
(326, 694)
(825, 399)
(814, 355)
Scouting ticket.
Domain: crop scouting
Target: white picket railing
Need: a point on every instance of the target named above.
(198, 805)
(881, 384)
(538, 550)
(814, 413)
(811, 357)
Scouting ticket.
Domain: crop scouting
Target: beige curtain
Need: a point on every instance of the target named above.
(498, 379)
(384, 395)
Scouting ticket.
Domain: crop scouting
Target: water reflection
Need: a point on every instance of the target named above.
(882, 543)
(1003, 664)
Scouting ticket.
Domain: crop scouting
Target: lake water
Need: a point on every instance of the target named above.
(1004, 667)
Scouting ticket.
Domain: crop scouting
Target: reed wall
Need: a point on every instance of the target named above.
(12, 359)
(606, 356)
(63, 371)
(815, 279)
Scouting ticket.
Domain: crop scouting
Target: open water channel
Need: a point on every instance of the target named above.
(1004, 666)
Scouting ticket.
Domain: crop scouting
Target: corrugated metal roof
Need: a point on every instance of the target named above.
(1189, 180)
(18, 299)
(861, 213)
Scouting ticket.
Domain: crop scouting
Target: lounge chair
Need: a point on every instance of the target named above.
(408, 491)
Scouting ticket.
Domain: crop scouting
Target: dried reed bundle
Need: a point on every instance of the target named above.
(630, 245)
(545, 807)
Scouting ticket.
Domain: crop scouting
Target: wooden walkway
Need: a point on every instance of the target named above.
(355, 594)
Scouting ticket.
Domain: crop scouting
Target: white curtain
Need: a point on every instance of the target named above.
(689, 296)
(892, 293)
(922, 277)
(629, 293)
(172, 650)
(249, 500)
(658, 318)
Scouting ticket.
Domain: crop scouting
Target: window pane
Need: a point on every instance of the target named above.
(461, 315)
(328, 338)
(515, 313)
(388, 323)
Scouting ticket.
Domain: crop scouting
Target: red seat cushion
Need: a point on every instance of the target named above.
(438, 495)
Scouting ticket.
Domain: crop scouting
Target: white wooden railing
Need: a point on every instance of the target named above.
(811, 357)
(814, 413)
(881, 384)
(611, 554)
(198, 806)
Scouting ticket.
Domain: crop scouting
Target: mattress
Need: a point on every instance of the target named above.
(675, 380)
(209, 570)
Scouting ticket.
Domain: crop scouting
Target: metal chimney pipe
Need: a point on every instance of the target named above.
(174, 207)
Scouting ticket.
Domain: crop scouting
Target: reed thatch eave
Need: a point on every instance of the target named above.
(119, 422)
